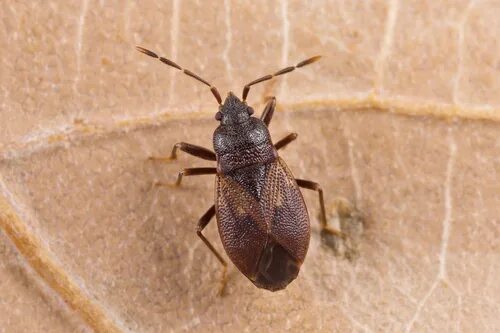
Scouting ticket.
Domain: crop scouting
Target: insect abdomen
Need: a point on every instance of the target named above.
(263, 223)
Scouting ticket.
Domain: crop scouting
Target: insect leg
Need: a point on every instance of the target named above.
(194, 172)
(316, 187)
(191, 149)
(189, 172)
(285, 141)
(268, 112)
(202, 223)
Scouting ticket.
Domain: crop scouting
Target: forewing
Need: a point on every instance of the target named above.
(285, 211)
(242, 228)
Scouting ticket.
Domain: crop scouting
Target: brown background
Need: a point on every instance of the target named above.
(400, 118)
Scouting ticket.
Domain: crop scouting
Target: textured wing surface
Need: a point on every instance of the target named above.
(241, 224)
(285, 211)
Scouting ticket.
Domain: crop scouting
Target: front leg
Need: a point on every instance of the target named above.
(285, 141)
(268, 112)
(191, 149)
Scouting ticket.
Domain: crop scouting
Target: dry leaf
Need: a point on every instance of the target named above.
(399, 119)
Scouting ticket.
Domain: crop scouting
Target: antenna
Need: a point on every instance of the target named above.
(168, 62)
(246, 89)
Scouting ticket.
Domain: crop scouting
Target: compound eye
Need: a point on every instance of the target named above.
(218, 116)
(250, 111)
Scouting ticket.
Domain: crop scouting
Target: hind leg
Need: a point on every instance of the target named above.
(202, 223)
(324, 224)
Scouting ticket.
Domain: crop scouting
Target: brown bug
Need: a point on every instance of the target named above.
(262, 218)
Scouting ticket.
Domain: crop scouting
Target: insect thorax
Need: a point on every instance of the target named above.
(242, 145)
